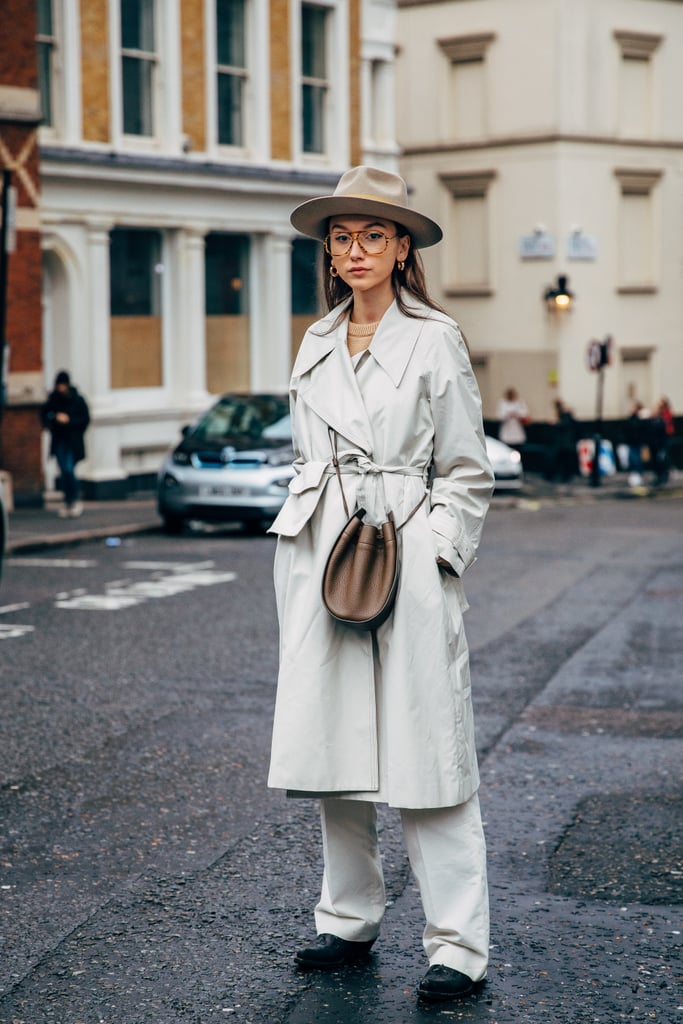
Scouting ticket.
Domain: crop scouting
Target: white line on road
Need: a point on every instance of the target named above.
(11, 631)
(7, 608)
(172, 566)
(53, 563)
(123, 594)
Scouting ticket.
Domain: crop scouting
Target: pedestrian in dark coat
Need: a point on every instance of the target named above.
(66, 415)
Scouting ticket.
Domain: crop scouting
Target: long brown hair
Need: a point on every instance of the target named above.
(410, 281)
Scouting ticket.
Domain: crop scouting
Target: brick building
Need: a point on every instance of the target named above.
(177, 137)
(20, 451)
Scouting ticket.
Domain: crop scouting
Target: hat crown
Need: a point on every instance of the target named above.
(373, 183)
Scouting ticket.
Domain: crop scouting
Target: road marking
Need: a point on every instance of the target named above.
(11, 631)
(169, 566)
(53, 563)
(7, 608)
(123, 594)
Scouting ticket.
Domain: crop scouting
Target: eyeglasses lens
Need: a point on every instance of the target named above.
(372, 242)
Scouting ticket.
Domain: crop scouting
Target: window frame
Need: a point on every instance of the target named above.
(336, 127)
(152, 60)
(235, 72)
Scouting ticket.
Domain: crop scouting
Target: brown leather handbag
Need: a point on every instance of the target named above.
(361, 575)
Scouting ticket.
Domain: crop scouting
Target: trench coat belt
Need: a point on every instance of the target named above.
(307, 486)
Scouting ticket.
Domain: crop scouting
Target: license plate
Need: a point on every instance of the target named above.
(221, 491)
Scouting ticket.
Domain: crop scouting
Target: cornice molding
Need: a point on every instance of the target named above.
(637, 45)
(547, 138)
(468, 184)
(637, 181)
(464, 49)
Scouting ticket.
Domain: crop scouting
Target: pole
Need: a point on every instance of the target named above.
(595, 468)
(4, 273)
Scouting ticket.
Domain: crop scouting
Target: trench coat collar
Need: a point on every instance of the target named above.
(336, 396)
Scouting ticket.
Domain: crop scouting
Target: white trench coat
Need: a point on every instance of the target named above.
(417, 424)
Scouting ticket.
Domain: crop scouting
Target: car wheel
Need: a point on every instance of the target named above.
(173, 524)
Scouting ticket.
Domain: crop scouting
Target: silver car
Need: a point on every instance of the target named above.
(506, 463)
(232, 465)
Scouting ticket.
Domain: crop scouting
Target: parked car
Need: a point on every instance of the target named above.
(234, 464)
(506, 463)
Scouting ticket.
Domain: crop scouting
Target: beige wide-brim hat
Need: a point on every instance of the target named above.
(367, 191)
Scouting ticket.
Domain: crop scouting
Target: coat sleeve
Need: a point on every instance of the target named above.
(462, 479)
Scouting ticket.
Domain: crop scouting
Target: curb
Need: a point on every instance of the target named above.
(76, 537)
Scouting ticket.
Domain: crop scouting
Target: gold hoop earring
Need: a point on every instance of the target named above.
(333, 271)
(401, 264)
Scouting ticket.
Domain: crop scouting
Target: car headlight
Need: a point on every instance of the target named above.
(181, 458)
(284, 482)
(515, 456)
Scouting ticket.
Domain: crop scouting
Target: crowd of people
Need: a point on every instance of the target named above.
(645, 440)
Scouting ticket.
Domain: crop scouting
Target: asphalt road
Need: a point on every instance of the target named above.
(148, 875)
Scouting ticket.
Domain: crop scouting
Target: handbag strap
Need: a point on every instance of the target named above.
(335, 462)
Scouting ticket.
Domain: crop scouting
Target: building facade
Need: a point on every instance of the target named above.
(547, 137)
(20, 301)
(177, 137)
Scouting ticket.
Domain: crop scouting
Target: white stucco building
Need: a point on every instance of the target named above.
(547, 136)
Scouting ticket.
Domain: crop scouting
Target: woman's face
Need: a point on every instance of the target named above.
(365, 272)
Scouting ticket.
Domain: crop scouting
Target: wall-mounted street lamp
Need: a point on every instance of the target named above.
(558, 296)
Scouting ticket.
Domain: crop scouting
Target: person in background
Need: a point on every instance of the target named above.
(661, 429)
(513, 415)
(564, 463)
(635, 435)
(66, 415)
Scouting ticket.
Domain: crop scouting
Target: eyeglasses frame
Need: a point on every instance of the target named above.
(355, 237)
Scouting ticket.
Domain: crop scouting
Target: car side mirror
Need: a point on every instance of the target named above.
(186, 430)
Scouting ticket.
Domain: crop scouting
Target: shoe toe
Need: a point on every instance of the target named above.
(441, 983)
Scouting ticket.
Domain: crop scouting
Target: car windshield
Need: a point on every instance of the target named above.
(255, 417)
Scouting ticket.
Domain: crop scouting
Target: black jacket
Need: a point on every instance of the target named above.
(76, 407)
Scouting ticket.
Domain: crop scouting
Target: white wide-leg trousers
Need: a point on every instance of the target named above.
(447, 854)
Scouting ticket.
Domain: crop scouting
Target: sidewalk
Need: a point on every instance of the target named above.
(33, 529)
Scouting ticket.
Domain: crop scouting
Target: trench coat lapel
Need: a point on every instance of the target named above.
(327, 384)
(394, 341)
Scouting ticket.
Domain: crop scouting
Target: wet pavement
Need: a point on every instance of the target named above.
(579, 714)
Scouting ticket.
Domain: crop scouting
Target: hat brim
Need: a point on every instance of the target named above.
(312, 217)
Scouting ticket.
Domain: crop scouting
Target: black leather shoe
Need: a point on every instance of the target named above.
(333, 952)
(442, 983)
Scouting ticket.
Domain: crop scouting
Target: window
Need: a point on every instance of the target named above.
(636, 97)
(227, 312)
(135, 306)
(138, 66)
(469, 257)
(306, 261)
(314, 83)
(47, 44)
(466, 101)
(231, 72)
(636, 270)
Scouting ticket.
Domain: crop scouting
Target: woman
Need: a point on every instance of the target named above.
(513, 415)
(363, 718)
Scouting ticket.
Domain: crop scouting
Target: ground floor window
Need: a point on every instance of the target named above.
(135, 308)
(306, 260)
(227, 312)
